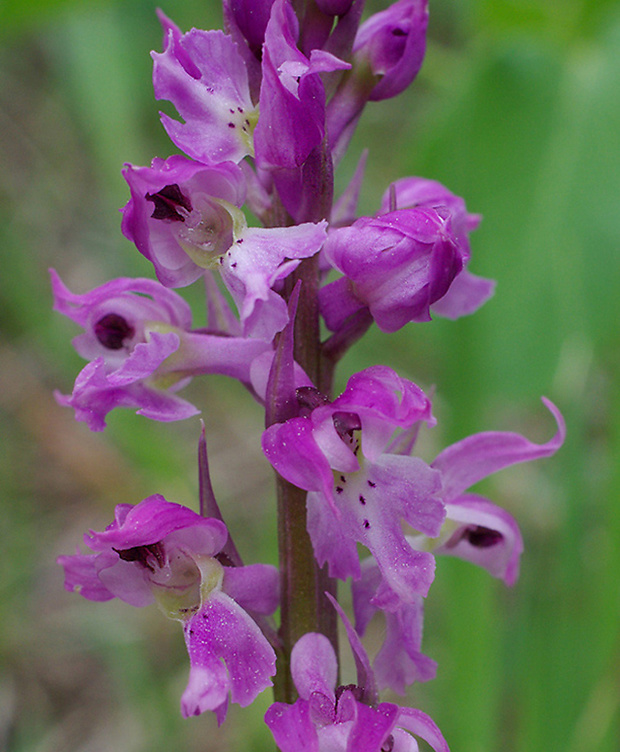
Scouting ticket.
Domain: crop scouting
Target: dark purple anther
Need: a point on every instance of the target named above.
(357, 692)
(112, 330)
(167, 203)
(309, 398)
(483, 537)
(144, 555)
(346, 423)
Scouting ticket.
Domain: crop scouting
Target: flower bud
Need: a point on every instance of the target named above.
(392, 45)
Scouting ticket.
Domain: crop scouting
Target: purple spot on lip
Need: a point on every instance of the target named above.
(362, 499)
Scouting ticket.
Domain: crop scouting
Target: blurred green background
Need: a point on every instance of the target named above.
(517, 109)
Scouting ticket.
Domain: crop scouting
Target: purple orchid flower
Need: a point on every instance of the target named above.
(204, 75)
(162, 552)
(396, 264)
(359, 491)
(349, 718)
(181, 215)
(474, 529)
(184, 218)
(467, 292)
(141, 350)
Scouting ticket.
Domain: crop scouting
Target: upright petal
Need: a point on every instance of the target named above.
(249, 18)
(372, 727)
(212, 97)
(471, 459)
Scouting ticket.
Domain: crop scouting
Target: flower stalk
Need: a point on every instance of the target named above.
(303, 604)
